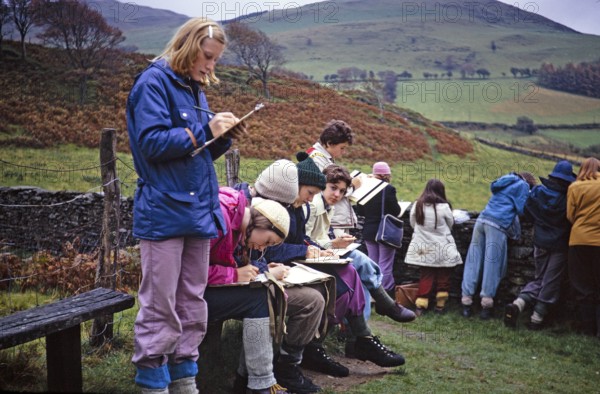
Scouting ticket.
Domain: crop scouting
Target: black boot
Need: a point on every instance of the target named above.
(316, 359)
(371, 349)
(289, 375)
(387, 306)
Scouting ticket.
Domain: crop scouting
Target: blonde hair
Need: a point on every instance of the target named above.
(183, 49)
(589, 169)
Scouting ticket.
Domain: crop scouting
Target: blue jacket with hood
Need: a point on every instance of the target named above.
(177, 194)
(509, 195)
(547, 208)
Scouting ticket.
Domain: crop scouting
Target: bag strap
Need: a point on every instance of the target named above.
(383, 202)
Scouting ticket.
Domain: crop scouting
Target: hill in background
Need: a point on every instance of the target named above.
(429, 37)
(425, 36)
(38, 108)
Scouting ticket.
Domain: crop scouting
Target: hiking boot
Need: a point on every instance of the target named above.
(316, 359)
(397, 313)
(486, 313)
(439, 311)
(534, 326)
(511, 315)
(274, 389)
(240, 384)
(371, 349)
(290, 376)
(467, 311)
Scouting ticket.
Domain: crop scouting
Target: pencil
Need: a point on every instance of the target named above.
(205, 110)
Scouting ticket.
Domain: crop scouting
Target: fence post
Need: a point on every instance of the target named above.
(106, 272)
(232, 166)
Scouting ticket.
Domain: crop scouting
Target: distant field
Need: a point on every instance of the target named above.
(495, 100)
(557, 142)
(579, 138)
(467, 180)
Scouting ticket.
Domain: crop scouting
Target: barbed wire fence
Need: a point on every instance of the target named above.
(51, 242)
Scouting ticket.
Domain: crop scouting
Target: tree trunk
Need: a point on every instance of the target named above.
(83, 87)
(23, 52)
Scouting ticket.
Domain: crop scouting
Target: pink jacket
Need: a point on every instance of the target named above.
(222, 268)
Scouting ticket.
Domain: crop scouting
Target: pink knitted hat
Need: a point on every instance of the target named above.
(381, 168)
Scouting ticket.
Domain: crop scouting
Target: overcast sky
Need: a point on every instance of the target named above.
(581, 15)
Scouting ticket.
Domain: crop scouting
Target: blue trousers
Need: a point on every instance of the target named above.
(370, 276)
(486, 261)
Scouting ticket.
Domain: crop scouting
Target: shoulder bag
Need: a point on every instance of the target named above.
(391, 228)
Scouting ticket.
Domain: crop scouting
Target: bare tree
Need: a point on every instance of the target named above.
(374, 88)
(23, 14)
(256, 51)
(5, 16)
(81, 31)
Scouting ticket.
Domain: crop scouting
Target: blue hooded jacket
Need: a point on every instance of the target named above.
(547, 208)
(509, 195)
(177, 194)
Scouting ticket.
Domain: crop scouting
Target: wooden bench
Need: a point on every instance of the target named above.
(60, 323)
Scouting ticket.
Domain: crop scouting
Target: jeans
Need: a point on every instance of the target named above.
(486, 261)
(370, 276)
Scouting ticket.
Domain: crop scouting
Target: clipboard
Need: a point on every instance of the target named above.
(258, 107)
(368, 189)
(335, 260)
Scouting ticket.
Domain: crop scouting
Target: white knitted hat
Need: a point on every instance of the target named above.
(276, 213)
(278, 182)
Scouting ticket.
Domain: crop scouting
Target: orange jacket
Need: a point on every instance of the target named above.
(583, 210)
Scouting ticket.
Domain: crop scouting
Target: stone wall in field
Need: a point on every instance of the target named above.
(36, 219)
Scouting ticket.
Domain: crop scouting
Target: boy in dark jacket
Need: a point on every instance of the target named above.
(546, 207)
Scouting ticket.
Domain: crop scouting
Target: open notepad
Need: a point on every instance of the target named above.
(326, 260)
(300, 274)
(345, 251)
(297, 275)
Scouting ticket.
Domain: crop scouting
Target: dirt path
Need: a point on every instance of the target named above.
(360, 371)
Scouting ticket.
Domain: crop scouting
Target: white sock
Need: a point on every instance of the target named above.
(536, 318)
(520, 303)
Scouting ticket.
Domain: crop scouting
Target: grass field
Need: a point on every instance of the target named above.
(467, 179)
(495, 101)
(445, 354)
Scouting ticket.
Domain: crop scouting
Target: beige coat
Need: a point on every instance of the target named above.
(583, 210)
(429, 246)
(319, 221)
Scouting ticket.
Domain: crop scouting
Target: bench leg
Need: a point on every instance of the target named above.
(63, 360)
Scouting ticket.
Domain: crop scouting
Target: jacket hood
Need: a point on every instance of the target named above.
(504, 182)
(550, 196)
(164, 66)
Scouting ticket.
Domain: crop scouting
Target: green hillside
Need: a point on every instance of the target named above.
(424, 36)
(429, 36)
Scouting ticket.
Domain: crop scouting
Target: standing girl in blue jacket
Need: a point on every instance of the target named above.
(487, 254)
(176, 205)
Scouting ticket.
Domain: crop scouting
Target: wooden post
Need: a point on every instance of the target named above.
(106, 272)
(232, 167)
